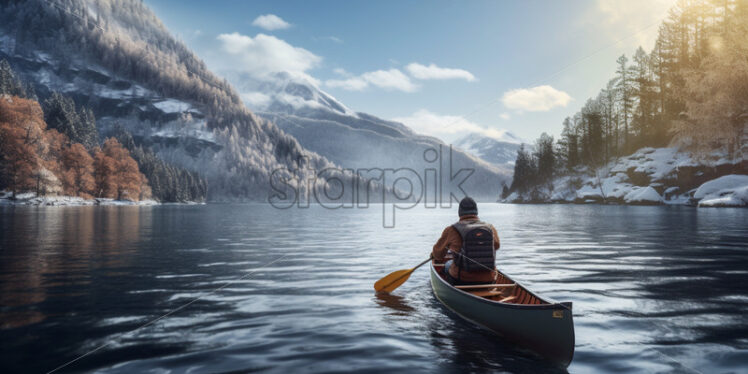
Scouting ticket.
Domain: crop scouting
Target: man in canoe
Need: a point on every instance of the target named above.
(473, 244)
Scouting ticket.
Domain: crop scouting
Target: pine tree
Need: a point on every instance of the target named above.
(10, 84)
(624, 91)
(524, 171)
(546, 159)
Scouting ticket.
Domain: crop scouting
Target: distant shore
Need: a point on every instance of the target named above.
(31, 199)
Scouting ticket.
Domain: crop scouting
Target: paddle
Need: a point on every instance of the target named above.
(393, 280)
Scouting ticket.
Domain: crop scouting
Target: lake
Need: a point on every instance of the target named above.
(247, 287)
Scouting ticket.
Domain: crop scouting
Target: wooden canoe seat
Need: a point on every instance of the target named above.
(494, 285)
(487, 293)
(510, 298)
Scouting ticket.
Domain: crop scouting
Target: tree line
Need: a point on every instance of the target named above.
(55, 149)
(127, 38)
(691, 90)
(36, 158)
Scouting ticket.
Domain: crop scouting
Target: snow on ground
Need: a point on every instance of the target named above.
(655, 162)
(643, 195)
(30, 198)
(172, 106)
(194, 129)
(729, 190)
(645, 177)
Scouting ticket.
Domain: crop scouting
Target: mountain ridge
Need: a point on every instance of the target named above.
(116, 57)
(354, 139)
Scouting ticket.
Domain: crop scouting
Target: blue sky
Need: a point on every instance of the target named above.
(442, 67)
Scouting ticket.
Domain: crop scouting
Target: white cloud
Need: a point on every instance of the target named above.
(350, 84)
(505, 116)
(446, 127)
(342, 72)
(265, 54)
(432, 71)
(256, 100)
(270, 22)
(535, 99)
(392, 79)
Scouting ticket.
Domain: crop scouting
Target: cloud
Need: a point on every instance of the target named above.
(350, 84)
(331, 38)
(342, 72)
(535, 99)
(270, 22)
(256, 99)
(432, 71)
(392, 79)
(446, 127)
(505, 116)
(265, 54)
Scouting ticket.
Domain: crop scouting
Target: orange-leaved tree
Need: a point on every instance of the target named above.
(21, 134)
(116, 173)
(77, 176)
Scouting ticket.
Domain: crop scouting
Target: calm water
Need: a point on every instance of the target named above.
(655, 289)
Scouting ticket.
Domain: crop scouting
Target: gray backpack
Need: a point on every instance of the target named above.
(477, 253)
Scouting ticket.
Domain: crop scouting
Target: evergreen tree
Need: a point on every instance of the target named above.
(10, 84)
(546, 159)
(624, 87)
(524, 171)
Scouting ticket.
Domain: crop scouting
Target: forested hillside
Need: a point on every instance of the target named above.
(690, 92)
(35, 158)
(117, 58)
(76, 126)
(354, 140)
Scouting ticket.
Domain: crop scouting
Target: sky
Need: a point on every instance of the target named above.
(444, 68)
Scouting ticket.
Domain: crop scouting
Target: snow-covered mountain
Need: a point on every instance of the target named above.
(357, 140)
(116, 57)
(500, 152)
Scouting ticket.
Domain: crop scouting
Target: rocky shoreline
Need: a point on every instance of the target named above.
(30, 199)
(650, 176)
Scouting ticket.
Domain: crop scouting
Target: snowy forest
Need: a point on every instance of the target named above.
(130, 43)
(690, 91)
(54, 149)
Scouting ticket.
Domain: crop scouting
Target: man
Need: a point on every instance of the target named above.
(473, 244)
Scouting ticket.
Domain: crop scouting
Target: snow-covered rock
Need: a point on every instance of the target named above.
(643, 196)
(651, 176)
(729, 190)
(30, 198)
(172, 106)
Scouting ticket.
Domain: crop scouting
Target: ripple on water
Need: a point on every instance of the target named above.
(663, 294)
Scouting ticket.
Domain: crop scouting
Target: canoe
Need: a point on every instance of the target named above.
(513, 312)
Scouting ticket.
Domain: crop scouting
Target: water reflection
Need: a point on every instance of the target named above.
(654, 289)
(398, 304)
(52, 250)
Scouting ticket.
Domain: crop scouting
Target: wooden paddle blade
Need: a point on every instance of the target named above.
(392, 280)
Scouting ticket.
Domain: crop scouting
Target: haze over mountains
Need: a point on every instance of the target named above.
(357, 140)
(500, 152)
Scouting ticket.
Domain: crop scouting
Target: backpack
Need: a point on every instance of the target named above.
(477, 253)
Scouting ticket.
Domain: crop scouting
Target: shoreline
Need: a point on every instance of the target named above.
(29, 199)
(71, 201)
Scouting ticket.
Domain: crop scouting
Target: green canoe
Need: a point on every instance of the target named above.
(513, 312)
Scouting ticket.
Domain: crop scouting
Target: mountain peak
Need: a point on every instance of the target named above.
(499, 150)
(284, 92)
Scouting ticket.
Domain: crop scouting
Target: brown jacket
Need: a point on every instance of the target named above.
(451, 240)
